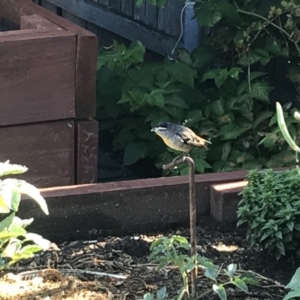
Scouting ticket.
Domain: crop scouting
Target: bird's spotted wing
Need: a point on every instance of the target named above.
(190, 138)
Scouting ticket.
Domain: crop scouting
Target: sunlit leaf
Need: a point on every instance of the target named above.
(34, 193)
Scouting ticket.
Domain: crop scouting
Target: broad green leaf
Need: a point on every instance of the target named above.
(220, 291)
(148, 296)
(229, 12)
(13, 231)
(250, 278)
(217, 107)
(278, 234)
(4, 209)
(22, 223)
(211, 273)
(38, 240)
(10, 194)
(260, 91)
(240, 284)
(249, 59)
(208, 15)
(133, 152)
(231, 270)
(201, 165)
(13, 246)
(176, 100)
(161, 293)
(292, 295)
(295, 281)
(193, 117)
(34, 193)
(234, 130)
(182, 73)
(264, 115)
(290, 226)
(9, 169)
(5, 224)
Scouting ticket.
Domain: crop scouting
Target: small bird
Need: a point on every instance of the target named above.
(179, 137)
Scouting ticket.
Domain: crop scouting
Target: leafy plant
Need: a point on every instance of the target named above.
(223, 90)
(173, 250)
(270, 208)
(160, 295)
(15, 242)
(294, 286)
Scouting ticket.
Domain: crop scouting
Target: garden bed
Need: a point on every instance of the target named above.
(53, 63)
(128, 256)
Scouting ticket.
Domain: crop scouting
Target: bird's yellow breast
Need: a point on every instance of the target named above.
(174, 144)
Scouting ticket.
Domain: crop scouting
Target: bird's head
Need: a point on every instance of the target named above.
(161, 127)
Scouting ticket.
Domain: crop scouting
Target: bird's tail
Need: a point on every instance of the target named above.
(201, 142)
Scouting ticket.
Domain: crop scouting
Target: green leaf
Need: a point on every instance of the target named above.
(147, 296)
(176, 101)
(207, 14)
(249, 59)
(13, 246)
(233, 130)
(201, 165)
(3, 206)
(250, 278)
(182, 73)
(161, 293)
(217, 107)
(240, 284)
(133, 152)
(231, 270)
(38, 240)
(9, 169)
(193, 117)
(260, 91)
(220, 291)
(34, 193)
(295, 281)
(290, 226)
(13, 231)
(264, 115)
(292, 295)
(211, 273)
(5, 224)
(278, 234)
(229, 11)
(10, 194)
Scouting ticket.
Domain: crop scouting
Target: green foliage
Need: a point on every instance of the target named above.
(173, 250)
(15, 242)
(294, 286)
(222, 90)
(270, 208)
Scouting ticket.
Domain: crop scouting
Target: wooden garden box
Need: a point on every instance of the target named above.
(47, 88)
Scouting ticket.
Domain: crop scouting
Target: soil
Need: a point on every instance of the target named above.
(72, 271)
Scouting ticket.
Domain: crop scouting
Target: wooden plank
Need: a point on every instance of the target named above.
(147, 14)
(87, 152)
(122, 26)
(37, 22)
(105, 3)
(38, 89)
(47, 149)
(127, 8)
(86, 51)
(74, 19)
(49, 6)
(115, 5)
(151, 15)
(121, 207)
(169, 17)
